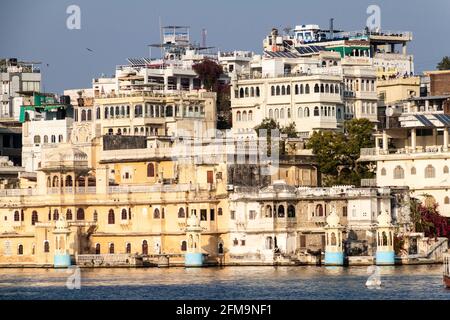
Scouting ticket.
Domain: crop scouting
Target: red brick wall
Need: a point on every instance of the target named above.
(440, 84)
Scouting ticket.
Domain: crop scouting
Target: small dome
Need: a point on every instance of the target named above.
(67, 154)
(333, 219)
(279, 186)
(384, 219)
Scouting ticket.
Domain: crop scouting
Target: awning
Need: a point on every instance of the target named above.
(422, 119)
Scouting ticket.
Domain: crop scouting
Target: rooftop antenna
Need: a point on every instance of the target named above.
(161, 36)
(332, 28)
(204, 32)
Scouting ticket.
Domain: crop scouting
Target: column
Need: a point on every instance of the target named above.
(377, 143)
(445, 148)
(413, 139)
(385, 141)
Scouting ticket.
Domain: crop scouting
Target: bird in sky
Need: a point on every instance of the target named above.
(89, 50)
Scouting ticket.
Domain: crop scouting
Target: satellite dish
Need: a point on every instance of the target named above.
(389, 111)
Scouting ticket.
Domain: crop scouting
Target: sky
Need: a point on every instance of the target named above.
(35, 30)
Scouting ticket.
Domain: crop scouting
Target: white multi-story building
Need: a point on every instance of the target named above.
(413, 151)
(16, 77)
(288, 222)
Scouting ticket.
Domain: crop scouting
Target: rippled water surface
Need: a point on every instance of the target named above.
(405, 282)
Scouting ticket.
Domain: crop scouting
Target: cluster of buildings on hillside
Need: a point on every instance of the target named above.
(133, 171)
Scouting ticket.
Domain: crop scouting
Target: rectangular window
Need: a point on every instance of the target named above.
(211, 215)
(242, 242)
(252, 214)
(203, 215)
(232, 214)
(344, 211)
(210, 177)
(302, 241)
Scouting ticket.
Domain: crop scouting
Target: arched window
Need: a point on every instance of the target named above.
(144, 247)
(282, 113)
(333, 239)
(383, 171)
(252, 92)
(306, 89)
(124, 214)
(220, 249)
(296, 91)
(446, 200)
(53, 138)
(156, 214)
(331, 88)
(55, 182)
(272, 91)
(181, 213)
(69, 181)
(413, 171)
(280, 211)
(183, 245)
(291, 211)
(268, 211)
(83, 115)
(327, 88)
(277, 114)
(430, 172)
(241, 93)
(300, 112)
(45, 139)
(34, 218)
(384, 239)
(89, 115)
(95, 215)
(445, 170)
(37, 139)
(399, 173)
(319, 210)
(258, 93)
(60, 138)
(98, 113)
(271, 114)
(97, 248)
(316, 88)
(128, 248)
(111, 248)
(46, 246)
(106, 113)
(302, 89)
(150, 170)
(306, 112)
(20, 250)
(80, 214)
(336, 89)
(238, 116)
(69, 214)
(55, 215)
(111, 217)
(288, 89)
(316, 111)
(246, 92)
(278, 90)
(250, 116)
(244, 116)
(16, 215)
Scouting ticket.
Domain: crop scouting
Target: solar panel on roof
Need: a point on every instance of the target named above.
(444, 118)
(424, 120)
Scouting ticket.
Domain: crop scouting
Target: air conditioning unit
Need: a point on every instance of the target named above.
(230, 187)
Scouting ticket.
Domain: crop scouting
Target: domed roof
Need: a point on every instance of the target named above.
(67, 153)
(279, 186)
(333, 219)
(384, 219)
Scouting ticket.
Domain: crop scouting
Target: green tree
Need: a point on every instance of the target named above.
(209, 72)
(444, 64)
(337, 153)
(269, 125)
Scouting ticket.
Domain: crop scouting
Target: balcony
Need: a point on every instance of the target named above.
(368, 182)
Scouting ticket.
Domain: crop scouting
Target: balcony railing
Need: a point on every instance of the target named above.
(369, 182)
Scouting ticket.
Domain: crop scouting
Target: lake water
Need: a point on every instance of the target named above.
(309, 282)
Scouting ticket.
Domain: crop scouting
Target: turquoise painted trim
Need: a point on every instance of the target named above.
(62, 261)
(385, 258)
(334, 258)
(193, 259)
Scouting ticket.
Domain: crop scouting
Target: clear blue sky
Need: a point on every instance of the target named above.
(115, 30)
